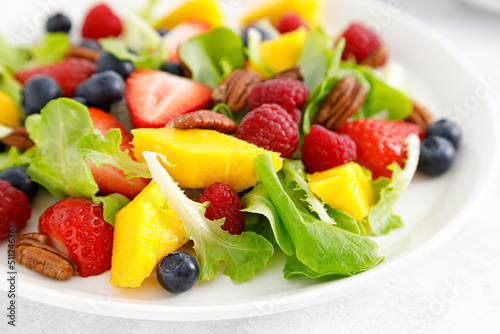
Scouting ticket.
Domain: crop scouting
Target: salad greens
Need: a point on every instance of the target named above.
(12, 58)
(119, 49)
(212, 55)
(242, 253)
(52, 49)
(11, 87)
(381, 218)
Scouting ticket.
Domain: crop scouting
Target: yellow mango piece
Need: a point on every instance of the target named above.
(345, 188)
(9, 114)
(283, 52)
(310, 10)
(144, 233)
(203, 10)
(202, 157)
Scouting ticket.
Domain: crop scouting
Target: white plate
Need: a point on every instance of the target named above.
(433, 209)
(488, 5)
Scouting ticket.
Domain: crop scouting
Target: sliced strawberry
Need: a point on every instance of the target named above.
(111, 179)
(181, 33)
(155, 97)
(67, 73)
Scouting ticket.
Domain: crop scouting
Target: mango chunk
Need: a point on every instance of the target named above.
(203, 10)
(9, 114)
(284, 51)
(310, 10)
(144, 233)
(202, 157)
(345, 188)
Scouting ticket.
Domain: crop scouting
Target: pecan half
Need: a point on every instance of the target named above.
(376, 58)
(204, 119)
(292, 73)
(33, 252)
(235, 89)
(82, 52)
(420, 116)
(19, 139)
(342, 102)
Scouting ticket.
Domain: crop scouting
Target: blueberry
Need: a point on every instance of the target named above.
(108, 62)
(446, 129)
(58, 23)
(102, 89)
(90, 44)
(436, 155)
(178, 272)
(263, 34)
(19, 179)
(39, 91)
(173, 68)
(162, 31)
(80, 99)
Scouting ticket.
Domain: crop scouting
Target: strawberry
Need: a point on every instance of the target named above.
(111, 179)
(101, 22)
(181, 33)
(380, 143)
(155, 97)
(76, 227)
(67, 73)
(14, 209)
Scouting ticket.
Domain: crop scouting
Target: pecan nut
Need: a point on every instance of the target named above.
(19, 139)
(235, 89)
(420, 116)
(344, 99)
(291, 73)
(33, 252)
(376, 58)
(204, 119)
(82, 52)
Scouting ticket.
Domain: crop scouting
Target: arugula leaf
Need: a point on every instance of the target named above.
(322, 247)
(205, 54)
(257, 201)
(111, 205)
(51, 50)
(381, 218)
(12, 58)
(105, 150)
(11, 87)
(120, 50)
(57, 164)
(242, 253)
(382, 97)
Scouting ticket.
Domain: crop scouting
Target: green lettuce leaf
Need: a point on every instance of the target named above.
(105, 150)
(381, 218)
(205, 55)
(57, 165)
(321, 247)
(252, 51)
(12, 58)
(111, 205)
(51, 50)
(10, 86)
(16, 158)
(345, 221)
(118, 48)
(242, 253)
(139, 35)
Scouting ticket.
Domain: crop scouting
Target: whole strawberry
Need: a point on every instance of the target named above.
(14, 209)
(101, 22)
(76, 227)
(380, 143)
(323, 149)
(288, 93)
(272, 128)
(224, 203)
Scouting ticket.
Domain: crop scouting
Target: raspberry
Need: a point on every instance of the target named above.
(290, 94)
(14, 209)
(76, 227)
(272, 128)
(290, 21)
(324, 149)
(224, 203)
(101, 22)
(359, 42)
(68, 73)
(380, 143)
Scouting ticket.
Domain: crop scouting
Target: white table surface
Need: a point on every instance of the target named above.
(454, 290)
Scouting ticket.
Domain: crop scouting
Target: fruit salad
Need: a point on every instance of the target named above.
(174, 143)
